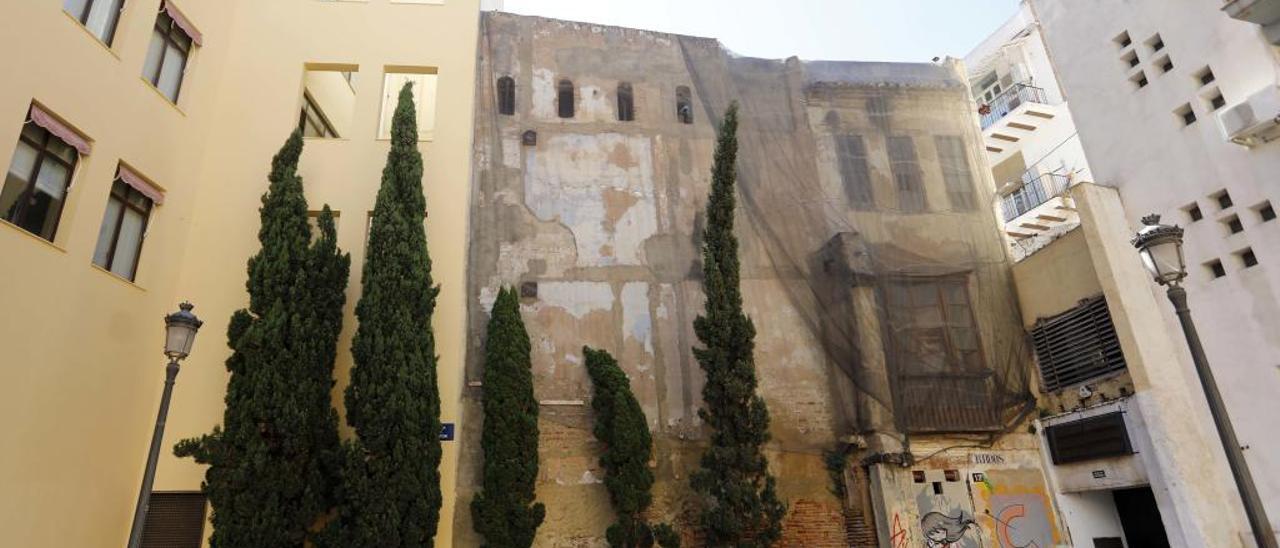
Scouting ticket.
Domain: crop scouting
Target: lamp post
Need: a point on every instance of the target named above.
(1161, 249)
(180, 334)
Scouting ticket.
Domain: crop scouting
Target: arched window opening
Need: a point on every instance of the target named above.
(506, 96)
(564, 99)
(684, 105)
(626, 103)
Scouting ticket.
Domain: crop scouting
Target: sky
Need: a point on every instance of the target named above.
(861, 30)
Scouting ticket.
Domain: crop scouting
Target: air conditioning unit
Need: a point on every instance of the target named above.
(1255, 121)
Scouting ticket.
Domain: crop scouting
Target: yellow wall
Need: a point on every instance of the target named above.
(81, 347)
(1055, 278)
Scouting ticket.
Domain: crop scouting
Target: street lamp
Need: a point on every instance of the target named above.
(1161, 249)
(180, 333)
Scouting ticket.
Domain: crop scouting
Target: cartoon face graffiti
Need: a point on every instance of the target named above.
(943, 531)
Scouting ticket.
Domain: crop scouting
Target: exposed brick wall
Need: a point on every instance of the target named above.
(812, 524)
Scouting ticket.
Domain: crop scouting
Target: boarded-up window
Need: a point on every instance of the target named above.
(684, 105)
(908, 180)
(626, 103)
(851, 154)
(564, 99)
(955, 172)
(174, 520)
(1077, 345)
(506, 95)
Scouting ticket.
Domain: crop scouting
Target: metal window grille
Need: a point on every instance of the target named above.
(174, 520)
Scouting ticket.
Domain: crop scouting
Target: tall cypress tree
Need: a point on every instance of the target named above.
(740, 501)
(504, 511)
(273, 462)
(392, 479)
(621, 426)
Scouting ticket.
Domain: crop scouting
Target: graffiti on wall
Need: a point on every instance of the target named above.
(943, 531)
(1016, 508)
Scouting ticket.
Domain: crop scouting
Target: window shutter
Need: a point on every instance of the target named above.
(1077, 345)
(174, 520)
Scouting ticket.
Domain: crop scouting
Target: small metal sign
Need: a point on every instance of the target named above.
(1099, 473)
(446, 432)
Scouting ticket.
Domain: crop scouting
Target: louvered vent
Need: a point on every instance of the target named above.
(1077, 345)
(174, 520)
(1087, 439)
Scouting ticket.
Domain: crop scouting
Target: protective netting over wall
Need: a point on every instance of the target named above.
(864, 197)
(918, 263)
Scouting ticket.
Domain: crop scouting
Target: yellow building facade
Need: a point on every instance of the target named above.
(176, 107)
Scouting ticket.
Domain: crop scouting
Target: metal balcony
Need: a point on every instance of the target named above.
(1032, 193)
(1009, 101)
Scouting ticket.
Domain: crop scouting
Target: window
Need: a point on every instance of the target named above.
(1224, 200)
(1077, 345)
(1185, 114)
(906, 174)
(1155, 43)
(506, 96)
(123, 227)
(1233, 224)
(1266, 212)
(35, 186)
(1247, 258)
(174, 520)
(422, 83)
(1130, 59)
(1139, 79)
(564, 99)
(1123, 41)
(684, 105)
(171, 43)
(989, 88)
(1193, 212)
(954, 161)
(313, 221)
(98, 16)
(1165, 64)
(1205, 76)
(1092, 438)
(1215, 268)
(933, 326)
(328, 101)
(851, 155)
(312, 121)
(626, 103)
(1216, 101)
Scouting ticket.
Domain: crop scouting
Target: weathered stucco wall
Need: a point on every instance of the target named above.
(597, 221)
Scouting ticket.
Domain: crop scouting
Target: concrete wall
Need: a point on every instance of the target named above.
(603, 218)
(82, 346)
(1136, 143)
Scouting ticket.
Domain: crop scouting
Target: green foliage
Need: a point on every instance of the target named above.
(504, 511)
(621, 426)
(836, 460)
(391, 490)
(740, 501)
(274, 461)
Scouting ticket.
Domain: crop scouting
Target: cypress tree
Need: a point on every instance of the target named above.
(740, 501)
(621, 426)
(392, 479)
(273, 462)
(504, 511)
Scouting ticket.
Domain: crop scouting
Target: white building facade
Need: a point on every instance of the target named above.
(1177, 107)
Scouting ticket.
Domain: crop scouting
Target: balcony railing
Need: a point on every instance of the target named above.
(1011, 99)
(1032, 193)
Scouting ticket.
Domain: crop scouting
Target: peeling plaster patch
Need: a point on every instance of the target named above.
(543, 88)
(594, 104)
(487, 297)
(572, 358)
(511, 152)
(588, 478)
(636, 322)
(576, 298)
(578, 181)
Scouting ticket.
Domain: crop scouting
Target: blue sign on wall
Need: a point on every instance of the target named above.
(446, 432)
